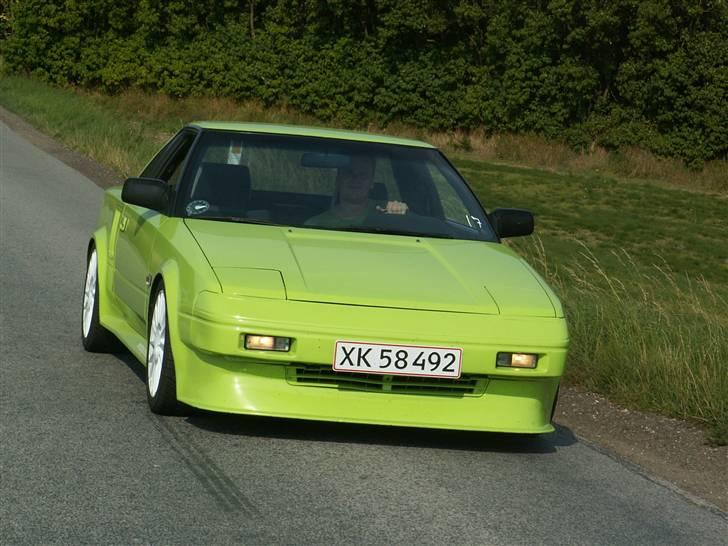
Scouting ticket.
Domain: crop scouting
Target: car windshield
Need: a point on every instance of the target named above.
(332, 184)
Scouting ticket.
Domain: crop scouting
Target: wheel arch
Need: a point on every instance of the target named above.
(168, 275)
(99, 241)
(158, 279)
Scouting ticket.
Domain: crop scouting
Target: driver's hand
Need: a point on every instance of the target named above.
(394, 207)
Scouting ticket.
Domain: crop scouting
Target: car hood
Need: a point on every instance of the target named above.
(371, 270)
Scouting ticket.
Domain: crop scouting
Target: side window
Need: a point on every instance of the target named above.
(168, 163)
(281, 169)
(172, 170)
(452, 206)
(385, 184)
(155, 165)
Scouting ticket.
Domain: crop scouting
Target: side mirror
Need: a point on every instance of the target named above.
(512, 222)
(149, 193)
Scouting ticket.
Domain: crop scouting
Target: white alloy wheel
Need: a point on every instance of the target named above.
(157, 338)
(95, 338)
(89, 293)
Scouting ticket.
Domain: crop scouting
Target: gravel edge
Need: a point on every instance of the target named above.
(99, 174)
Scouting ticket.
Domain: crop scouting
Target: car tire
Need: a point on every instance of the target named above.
(95, 338)
(556, 401)
(161, 380)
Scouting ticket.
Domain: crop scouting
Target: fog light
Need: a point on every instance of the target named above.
(267, 343)
(516, 360)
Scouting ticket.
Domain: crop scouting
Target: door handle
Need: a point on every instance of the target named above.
(123, 223)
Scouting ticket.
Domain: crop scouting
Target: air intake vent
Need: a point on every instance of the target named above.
(324, 376)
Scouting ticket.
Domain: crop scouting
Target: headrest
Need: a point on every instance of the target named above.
(379, 192)
(224, 185)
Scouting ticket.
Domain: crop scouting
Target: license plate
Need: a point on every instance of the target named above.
(382, 358)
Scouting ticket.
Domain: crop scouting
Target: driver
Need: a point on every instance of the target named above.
(352, 204)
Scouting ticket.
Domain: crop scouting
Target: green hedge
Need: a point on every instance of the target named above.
(650, 73)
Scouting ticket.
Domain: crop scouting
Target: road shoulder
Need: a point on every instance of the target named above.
(102, 176)
(670, 449)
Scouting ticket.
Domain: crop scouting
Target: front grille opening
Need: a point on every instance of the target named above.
(324, 376)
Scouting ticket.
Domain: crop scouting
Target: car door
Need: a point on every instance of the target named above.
(137, 229)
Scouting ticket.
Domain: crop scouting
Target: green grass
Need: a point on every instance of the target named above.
(643, 274)
(110, 137)
(642, 268)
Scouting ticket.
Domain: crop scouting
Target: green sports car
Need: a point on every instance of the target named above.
(321, 274)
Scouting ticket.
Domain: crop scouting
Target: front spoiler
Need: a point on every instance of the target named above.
(522, 406)
(215, 373)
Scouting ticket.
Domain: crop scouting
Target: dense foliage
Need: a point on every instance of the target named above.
(651, 73)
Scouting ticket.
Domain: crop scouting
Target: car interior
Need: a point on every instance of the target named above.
(289, 186)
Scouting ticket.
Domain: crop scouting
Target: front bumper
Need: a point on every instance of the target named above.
(214, 372)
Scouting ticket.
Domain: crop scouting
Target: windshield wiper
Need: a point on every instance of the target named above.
(389, 231)
(236, 219)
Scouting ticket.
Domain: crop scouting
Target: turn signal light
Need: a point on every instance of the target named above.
(267, 343)
(516, 360)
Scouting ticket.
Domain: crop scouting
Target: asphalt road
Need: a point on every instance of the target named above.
(82, 460)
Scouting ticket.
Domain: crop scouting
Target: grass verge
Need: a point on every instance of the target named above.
(152, 118)
(642, 268)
